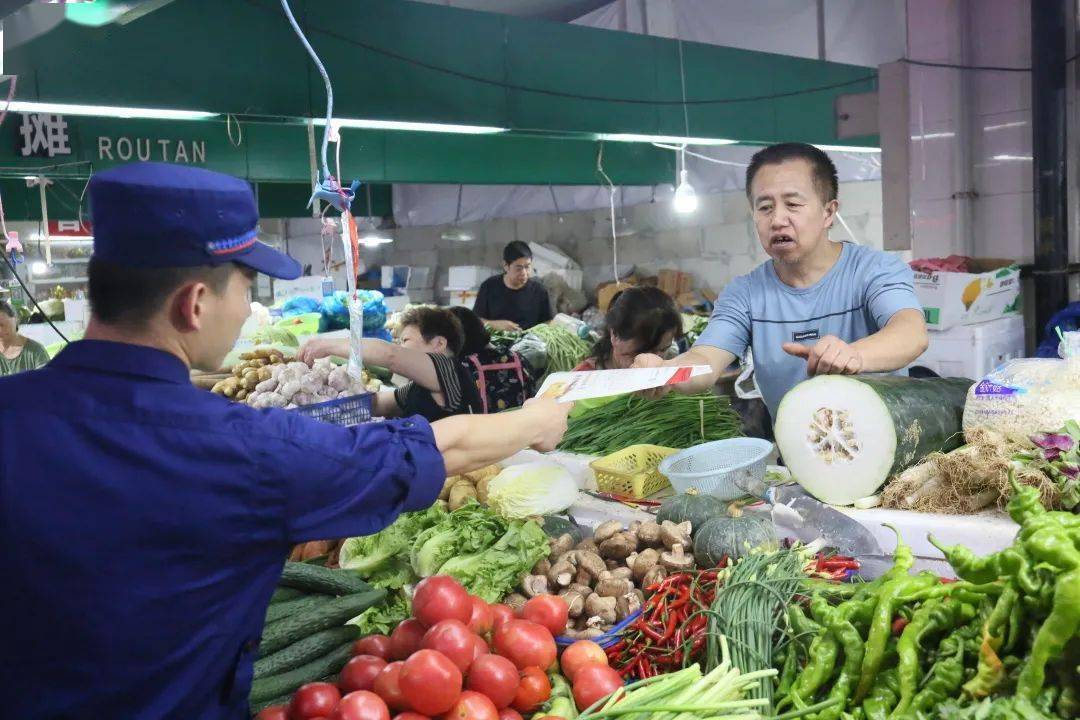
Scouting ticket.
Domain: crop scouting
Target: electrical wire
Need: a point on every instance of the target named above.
(611, 203)
(30, 295)
(682, 81)
(955, 66)
(326, 82)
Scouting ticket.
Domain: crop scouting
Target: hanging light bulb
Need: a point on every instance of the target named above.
(39, 268)
(686, 200)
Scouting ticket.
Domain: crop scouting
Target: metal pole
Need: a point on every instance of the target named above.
(1048, 125)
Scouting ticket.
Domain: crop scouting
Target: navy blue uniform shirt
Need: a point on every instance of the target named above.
(145, 523)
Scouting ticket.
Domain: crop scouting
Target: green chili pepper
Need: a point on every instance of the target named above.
(908, 650)
(823, 651)
(882, 696)
(1057, 630)
(852, 643)
(944, 678)
(788, 671)
(881, 625)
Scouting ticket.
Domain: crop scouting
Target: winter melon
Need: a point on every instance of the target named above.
(843, 436)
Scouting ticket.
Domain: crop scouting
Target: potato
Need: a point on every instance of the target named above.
(460, 493)
(484, 473)
(450, 482)
(482, 489)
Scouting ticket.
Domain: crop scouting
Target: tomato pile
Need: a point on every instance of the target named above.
(457, 658)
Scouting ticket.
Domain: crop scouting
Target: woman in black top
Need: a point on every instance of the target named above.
(439, 386)
(514, 301)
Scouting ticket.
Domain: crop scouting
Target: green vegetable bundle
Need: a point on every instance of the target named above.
(565, 350)
(485, 552)
(676, 421)
(1004, 641)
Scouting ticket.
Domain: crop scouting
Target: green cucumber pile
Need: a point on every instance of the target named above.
(305, 637)
(675, 421)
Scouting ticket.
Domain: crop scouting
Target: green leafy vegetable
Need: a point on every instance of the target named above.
(468, 529)
(494, 572)
(384, 617)
(377, 553)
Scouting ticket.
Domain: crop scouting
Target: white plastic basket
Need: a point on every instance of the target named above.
(728, 469)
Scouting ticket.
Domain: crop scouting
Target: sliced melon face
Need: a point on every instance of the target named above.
(837, 437)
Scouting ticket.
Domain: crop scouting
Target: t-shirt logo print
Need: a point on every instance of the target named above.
(801, 335)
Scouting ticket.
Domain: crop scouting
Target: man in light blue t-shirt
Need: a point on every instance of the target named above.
(818, 306)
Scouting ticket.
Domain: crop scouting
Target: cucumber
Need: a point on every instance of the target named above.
(312, 578)
(280, 610)
(284, 594)
(304, 651)
(843, 436)
(258, 707)
(332, 612)
(274, 686)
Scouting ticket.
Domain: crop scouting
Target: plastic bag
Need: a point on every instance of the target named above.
(1025, 396)
(299, 306)
(356, 334)
(534, 350)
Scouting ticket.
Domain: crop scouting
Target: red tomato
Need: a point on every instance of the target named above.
(501, 614)
(431, 682)
(388, 688)
(454, 640)
(441, 598)
(594, 682)
(410, 716)
(526, 644)
(496, 677)
(580, 654)
(481, 647)
(313, 700)
(510, 714)
(550, 611)
(274, 712)
(360, 673)
(377, 645)
(472, 706)
(482, 617)
(533, 690)
(361, 705)
(406, 639)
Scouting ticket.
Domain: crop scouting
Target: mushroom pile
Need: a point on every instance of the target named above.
(603, 578)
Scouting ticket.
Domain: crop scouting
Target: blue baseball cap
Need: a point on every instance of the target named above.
(151, 215)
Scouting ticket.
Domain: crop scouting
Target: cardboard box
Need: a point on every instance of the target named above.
(675, 283)
(606, 292)
(950, 299)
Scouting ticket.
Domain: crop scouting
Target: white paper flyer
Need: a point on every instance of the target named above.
(588, 384)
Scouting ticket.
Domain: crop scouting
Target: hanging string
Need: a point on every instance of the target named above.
(231, 120)
(326, 81)
(611, 204)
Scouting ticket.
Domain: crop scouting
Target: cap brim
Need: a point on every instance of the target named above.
(267, 260)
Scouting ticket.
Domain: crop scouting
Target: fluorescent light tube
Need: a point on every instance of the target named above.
(669, 139)
(108, 111)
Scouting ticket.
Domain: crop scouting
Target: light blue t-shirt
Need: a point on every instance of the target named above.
(855, 299)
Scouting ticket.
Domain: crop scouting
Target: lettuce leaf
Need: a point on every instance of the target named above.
(380, 553)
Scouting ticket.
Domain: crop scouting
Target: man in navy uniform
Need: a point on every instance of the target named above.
(146, 520)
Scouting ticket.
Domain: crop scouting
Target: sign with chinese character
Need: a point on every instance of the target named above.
(43, 135)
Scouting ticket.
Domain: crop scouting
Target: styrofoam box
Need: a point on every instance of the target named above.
(462, 298)
(405, 276)
(972, 351)
(468, 276)
(548, 255)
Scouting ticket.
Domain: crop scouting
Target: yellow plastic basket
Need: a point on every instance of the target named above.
(632, 471)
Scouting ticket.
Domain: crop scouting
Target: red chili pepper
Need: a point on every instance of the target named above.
(899, 624)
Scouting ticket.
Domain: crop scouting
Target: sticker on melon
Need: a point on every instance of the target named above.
(843, 436)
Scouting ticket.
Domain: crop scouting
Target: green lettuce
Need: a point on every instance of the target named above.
(381, 619)
(382, 552)
(494, 572)
(469, 529)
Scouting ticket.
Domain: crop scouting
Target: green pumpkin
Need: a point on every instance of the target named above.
(732, 536)
(556, 525)
(693, 506)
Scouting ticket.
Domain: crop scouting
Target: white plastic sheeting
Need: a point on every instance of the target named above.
(859, 32)
(418, 205)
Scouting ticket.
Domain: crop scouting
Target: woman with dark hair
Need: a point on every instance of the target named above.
(17, 353)
(428, 354)
(640, 320)
(503, 377)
